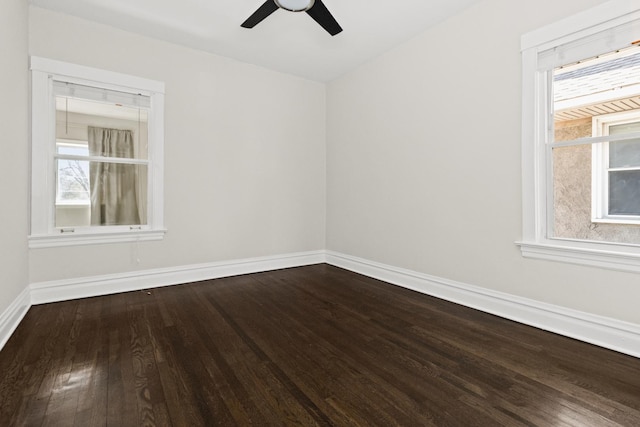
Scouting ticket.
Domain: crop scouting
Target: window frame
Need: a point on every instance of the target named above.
(537, 129)
(43, 232)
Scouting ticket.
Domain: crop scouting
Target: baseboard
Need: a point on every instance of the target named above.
(62, 290)
(605, 332)
(609, 333)
(13, 315)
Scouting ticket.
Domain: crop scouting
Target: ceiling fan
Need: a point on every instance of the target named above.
(314, 8)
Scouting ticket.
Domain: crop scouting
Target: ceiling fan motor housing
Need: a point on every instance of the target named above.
(295, 5)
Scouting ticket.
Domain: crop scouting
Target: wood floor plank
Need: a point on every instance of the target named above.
(293, 402)
(339, 351)
(309, 346)
(403, 395)
(243, 369)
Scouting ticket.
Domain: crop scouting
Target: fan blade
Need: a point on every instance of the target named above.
(263, 11)
(322, 16)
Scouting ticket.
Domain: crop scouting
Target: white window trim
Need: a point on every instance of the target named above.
(600, 169)
(43, 233)
(535, 132)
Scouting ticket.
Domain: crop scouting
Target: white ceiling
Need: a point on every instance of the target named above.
(288, 42)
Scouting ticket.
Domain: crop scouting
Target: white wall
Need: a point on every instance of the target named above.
(14, 179)
(244, 150)
(423, 162)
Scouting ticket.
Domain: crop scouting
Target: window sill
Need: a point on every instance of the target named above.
(611, 220)
(51, 241)
(613, 257)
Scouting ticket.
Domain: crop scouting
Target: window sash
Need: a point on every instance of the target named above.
(594, 140)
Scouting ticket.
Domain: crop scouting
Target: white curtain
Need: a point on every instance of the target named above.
(114, 186)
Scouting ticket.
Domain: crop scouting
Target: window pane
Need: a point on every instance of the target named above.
(624, 193)
(72, 190)
(111, 130)
(625, 128)
(572, 192)
(591, 87)
(72, 182)
(624, 154)
(588, 102)
(100, 194)
(118, 194)
(572, 197)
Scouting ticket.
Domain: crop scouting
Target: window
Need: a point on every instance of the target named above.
(97, 156)
(581, 139)
(616, 177)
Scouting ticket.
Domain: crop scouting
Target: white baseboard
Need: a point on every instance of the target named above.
(61, 290)
(610, 333)
(13, 315)
(605, 332)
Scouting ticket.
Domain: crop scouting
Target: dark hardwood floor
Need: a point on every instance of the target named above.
(305, 346)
